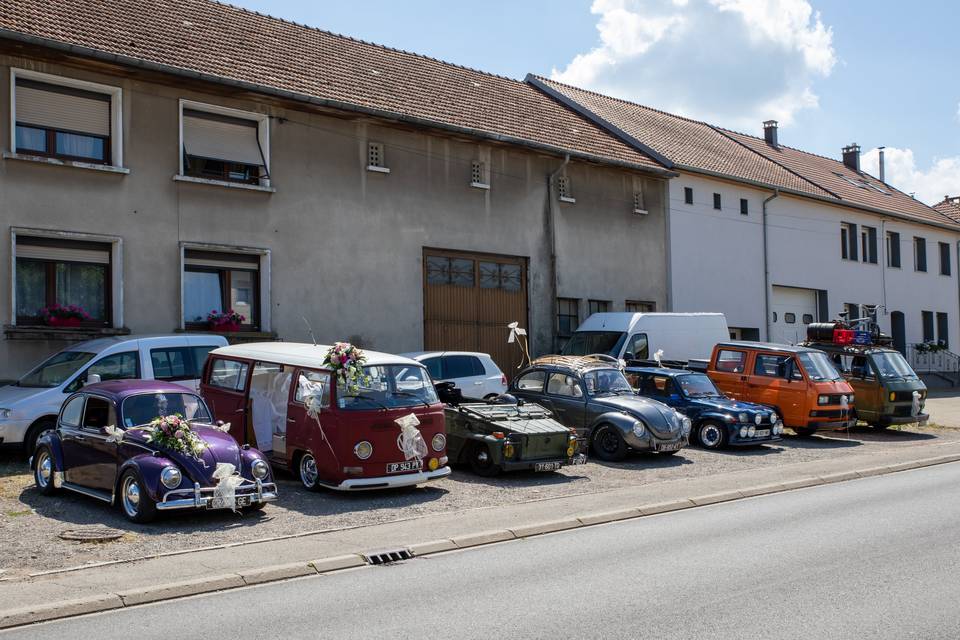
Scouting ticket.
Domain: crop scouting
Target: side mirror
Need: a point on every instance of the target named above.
(92, 378)
(628, 355)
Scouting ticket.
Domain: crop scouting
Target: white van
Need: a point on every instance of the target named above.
(638, 336)
(29, 406)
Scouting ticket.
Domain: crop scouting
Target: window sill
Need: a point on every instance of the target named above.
(376, 169)
(480, 185)
(76, 164)
(235, 337)
(224, 183)
(69, 334)
(640, 212)
(568, 200)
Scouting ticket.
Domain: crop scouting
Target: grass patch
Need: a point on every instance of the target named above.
(17, 514)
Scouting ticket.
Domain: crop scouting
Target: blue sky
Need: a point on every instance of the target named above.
(876, 72)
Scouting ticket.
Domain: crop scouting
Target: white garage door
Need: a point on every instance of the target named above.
(793, 309)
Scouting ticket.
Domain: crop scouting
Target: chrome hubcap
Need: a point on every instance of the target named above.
(44, 470)
(482, 456)
(131, 496)
(308, 471)
(710, 436)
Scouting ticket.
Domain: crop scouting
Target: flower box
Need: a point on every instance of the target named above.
(225, 327)
(54, 321)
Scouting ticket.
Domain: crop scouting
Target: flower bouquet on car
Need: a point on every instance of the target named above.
(175, 434)
(346, 362)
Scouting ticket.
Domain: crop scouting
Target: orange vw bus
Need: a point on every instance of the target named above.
(800, 383)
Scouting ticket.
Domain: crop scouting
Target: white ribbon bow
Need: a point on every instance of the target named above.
(225, 493)
(916, 403)
(411, 441)
(658, 356)
(515, 331)
(223, 428)
(115, 434)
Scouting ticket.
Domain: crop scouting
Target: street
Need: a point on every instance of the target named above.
(870, 558)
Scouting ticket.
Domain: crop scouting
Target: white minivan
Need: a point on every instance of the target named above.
(639, 336)
(475, 374)
(30, 406)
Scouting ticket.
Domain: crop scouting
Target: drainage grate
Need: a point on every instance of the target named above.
(388, 557)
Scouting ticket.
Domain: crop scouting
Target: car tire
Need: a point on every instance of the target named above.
(481, 462)
(36, 430)
(308, 473)
(608, 444)
(712, 435)
(43, 470)
(135, 503)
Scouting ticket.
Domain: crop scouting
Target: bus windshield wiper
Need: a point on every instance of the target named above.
(412, 395)
(368, 399)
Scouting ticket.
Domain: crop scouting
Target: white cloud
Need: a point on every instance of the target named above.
(730, 62)
(901, 171)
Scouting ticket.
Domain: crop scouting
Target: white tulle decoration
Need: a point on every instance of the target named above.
(225, 493)
(411, 441)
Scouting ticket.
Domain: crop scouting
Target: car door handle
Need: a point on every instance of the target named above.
(291, 419)
(240, 411)
(478, 382)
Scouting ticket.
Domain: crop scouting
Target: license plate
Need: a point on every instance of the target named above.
(546, 466)
(220, 503)
(243, 501)
(762, 433)
(399, 467)
(670, 446)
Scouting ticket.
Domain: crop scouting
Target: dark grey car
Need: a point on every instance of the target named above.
(593, 397)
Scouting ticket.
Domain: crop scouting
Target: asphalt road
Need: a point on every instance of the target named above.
(873, 558)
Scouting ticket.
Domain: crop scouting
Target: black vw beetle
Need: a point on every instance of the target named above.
(591, 394)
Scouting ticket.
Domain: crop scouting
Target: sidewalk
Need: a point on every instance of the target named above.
(108, 586)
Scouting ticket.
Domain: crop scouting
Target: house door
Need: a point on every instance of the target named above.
(468, 301)
(898, 331)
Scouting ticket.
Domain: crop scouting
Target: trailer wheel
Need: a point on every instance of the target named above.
(481, 462)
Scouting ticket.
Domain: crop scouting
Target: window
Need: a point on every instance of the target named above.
(532, 381)
(716, 201)
(563, 188)
(478, 175)
(731, 361)
(790, 318)
(224, 144)
(434, 368)
(462, 367)
(868, 244)
(598, 306)
(851, 310)
(496, 275)
(774, 366)
(178, 363)
(893, 249)
(744, 207)
(66, 119)
(919, 254)
(637, 345)
(72, 412)
(458, 272)
(848, 241)
(928, 335)
(119, 366)
(561, 384)
(636, 306)
(228, 374)
(220, 281)
(688, 195)
(944, 259)
(98, 413)
(312, 382)
(943, 329)
(639, 204)
(568, 316)
(51, 271)
(376, 158)
(807, 318)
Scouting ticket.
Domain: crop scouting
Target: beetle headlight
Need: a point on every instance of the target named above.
(743, 417)
(774, 418)
(438, 442)
(259, 469)
(171, 477)
(639, 429)
(686, 425)
(363, 450)
(757, 419)
(743, 432)
(752, 431)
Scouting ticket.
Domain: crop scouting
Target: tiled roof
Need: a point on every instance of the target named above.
(949, 207)
(699, 146)
(206, 37)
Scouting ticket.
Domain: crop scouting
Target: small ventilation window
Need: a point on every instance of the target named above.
(716, 201)
(688, 195)
(639, 206)
(563, 186)
(478, 175)
(744, 207)
(790, 318)
(375, 158)
(807, 318)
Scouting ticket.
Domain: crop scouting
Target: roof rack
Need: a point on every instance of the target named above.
(578, 362)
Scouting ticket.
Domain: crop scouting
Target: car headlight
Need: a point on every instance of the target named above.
(363, 450)
(757, 419)
(5, 414)
(508, 450)
(774, 418)
(687, 425)
(171, 477)
(639, 429)
(850, 398)
(260, 469)
(823, 399)
(752, 431)
(438, 442)
(743, 417)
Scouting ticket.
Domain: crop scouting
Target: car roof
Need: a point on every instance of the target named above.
(765, 346)
(117, 390)
(418, 355)
(102, 344)
(301, 354)
(577, 364)
(661, 371)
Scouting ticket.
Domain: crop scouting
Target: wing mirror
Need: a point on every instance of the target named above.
(629, 356)
(92, 378)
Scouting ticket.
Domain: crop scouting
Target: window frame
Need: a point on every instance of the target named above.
(542, 373)
(263, 315)
(242, 379)
(744, 207)
(919, 242)
(114, 148)
(945, 266)
(717, 202)
(893, 250)
(688, 195)
(262, 121)
(575, 316)
(598, 306)
(634, 306)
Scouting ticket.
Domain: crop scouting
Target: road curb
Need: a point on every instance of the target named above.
(132, 597)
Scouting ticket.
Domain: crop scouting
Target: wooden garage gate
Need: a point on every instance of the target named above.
(468, 301)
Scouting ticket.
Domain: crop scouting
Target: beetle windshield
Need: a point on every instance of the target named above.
(890, 364)
(56, 369)
(585, 343)
(603, 381)
(818, 366)
(142, 409)
(698, 385)
(391, 386)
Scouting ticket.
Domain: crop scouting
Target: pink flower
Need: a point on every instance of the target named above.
(179, 434)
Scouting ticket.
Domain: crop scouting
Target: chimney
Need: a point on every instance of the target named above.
(851, 157)
(770, 132)
(882, 172)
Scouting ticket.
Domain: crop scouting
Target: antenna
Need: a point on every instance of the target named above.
(310, 330)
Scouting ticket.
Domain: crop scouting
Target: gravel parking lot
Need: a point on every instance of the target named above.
(30, 524)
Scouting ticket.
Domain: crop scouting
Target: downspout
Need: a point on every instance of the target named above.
(552, 232)
(766, 266)
(883, 266)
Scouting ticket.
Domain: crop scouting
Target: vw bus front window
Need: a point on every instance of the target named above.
(388, 387)
(891, 365)
(818, 366)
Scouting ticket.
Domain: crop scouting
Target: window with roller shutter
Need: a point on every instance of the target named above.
(224, 144)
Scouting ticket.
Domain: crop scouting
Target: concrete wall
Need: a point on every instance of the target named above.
(346, 244)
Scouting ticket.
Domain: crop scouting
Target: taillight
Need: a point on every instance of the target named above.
(503, 379)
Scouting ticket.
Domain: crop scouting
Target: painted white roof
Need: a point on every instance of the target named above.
(185, 339)
(301, 354)
(625, 321)
(420, 355)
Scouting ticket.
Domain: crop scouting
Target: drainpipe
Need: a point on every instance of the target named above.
(883, 265)
(766, 266)
(552, 225)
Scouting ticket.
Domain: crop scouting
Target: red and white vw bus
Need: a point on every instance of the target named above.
(279, 398)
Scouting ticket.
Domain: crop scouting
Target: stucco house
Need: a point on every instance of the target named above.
(164, 160)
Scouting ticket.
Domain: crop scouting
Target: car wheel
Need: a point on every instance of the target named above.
(135, 502)
(608, 444)
(43, 471)
(481, 462)
(307, 470)
(711, 435)
(37, 430)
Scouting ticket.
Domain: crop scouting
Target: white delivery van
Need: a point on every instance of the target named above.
(638, 336)
(30, 406)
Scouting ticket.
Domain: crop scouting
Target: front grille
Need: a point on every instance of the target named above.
(903, 412)
(904, 396)
(829, 413)
(835, 398)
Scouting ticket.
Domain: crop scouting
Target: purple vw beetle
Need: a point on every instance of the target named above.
(100, 449)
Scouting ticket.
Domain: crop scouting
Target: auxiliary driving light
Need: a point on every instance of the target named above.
(434, 464)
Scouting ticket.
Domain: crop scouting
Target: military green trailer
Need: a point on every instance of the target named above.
(492, 438)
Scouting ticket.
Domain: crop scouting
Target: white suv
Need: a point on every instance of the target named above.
(475, 374)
